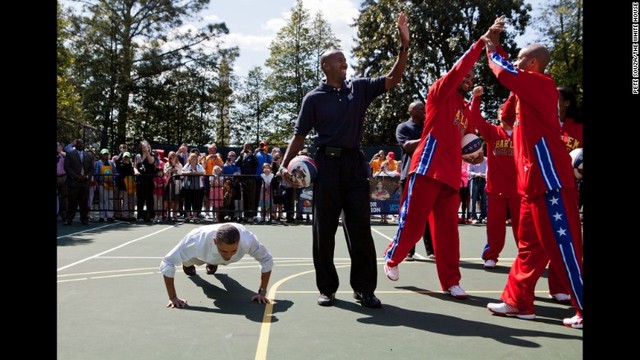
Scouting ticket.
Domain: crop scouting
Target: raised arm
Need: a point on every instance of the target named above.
(476, 119)
(395, 75)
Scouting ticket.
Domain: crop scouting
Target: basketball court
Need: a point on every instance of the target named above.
(111, 303)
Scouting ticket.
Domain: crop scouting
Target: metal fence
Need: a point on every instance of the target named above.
(197, 198)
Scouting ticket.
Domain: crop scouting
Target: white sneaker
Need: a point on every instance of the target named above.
(409, 257)
(560, 297)
(392, 272)
(431, 257)
(504, 309)
(489, 264)
(457, 292)
(574, 322)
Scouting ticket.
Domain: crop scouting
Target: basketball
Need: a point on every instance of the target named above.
(576, 161)
(303, 170)
(472, 149)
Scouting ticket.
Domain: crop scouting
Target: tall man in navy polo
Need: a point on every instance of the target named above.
(336, 110)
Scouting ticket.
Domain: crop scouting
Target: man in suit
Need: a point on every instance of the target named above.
(78, 166)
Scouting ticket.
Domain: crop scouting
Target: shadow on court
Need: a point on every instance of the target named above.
(111, 303)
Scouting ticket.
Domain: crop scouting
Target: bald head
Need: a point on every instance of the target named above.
(334, 66)
(416, 111)
(327, 54)
(415, 104)
(534, 57)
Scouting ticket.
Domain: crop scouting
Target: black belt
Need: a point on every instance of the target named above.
(333, 151)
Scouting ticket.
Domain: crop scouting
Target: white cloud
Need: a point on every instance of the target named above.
(253, 25)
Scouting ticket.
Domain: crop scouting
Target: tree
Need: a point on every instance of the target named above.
(294, 60)
(441, 31)
(253, 117)
(69, 101)
(561, 23)
(123, 46)
(322, 39)
(223, 97)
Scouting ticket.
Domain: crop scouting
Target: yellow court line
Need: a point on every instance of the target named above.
(265, 329)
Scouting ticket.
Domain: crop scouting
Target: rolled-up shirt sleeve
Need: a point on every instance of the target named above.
(188, 248)
(170, 261)
(259, 252)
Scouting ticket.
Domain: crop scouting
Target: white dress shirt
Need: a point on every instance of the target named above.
(198, 244)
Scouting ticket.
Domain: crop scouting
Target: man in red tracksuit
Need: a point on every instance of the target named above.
(549, 228)
(502, 192)
(502, 188)
(431, 192)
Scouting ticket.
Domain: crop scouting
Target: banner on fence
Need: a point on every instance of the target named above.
(384, 194)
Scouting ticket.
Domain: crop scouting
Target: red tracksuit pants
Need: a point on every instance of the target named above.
(428, 199)
(549, 231)
(497, 208)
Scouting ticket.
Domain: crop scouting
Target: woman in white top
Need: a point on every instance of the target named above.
(192, 188)
(172, 171)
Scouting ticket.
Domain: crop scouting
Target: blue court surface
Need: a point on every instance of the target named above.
(111, 303)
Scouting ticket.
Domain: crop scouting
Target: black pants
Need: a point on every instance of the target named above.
(342, 189)
(144, 196)
(249, 198)
(288, 204)
(464, 202)
(78, 198)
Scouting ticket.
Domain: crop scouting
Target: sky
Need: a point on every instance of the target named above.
(253, 24)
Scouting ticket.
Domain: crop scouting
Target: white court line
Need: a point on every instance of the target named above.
(115, 248)
(84, 231)
(381, 234)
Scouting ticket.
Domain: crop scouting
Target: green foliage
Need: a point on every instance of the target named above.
(124, 53)
(441, 31)
(69, 100)
(252, 120)
(125, 72)
(294, 61)
(562, 24)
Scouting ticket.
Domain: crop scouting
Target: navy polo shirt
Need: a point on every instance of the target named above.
(337, 115)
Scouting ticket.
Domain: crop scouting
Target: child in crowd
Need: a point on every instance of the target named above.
(216, 193)
(158, 187)
(265, 193)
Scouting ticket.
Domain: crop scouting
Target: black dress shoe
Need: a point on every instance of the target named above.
(326, 300)
(211, 269)
(189, 270)
(367, 299)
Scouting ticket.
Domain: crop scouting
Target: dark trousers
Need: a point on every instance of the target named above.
(144, 196)
(478, 198)
(249, 198)
(342, 189)
(464, 202)
(78, 197)
(288, 203)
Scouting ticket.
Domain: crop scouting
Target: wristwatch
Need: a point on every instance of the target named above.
(262, 291)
